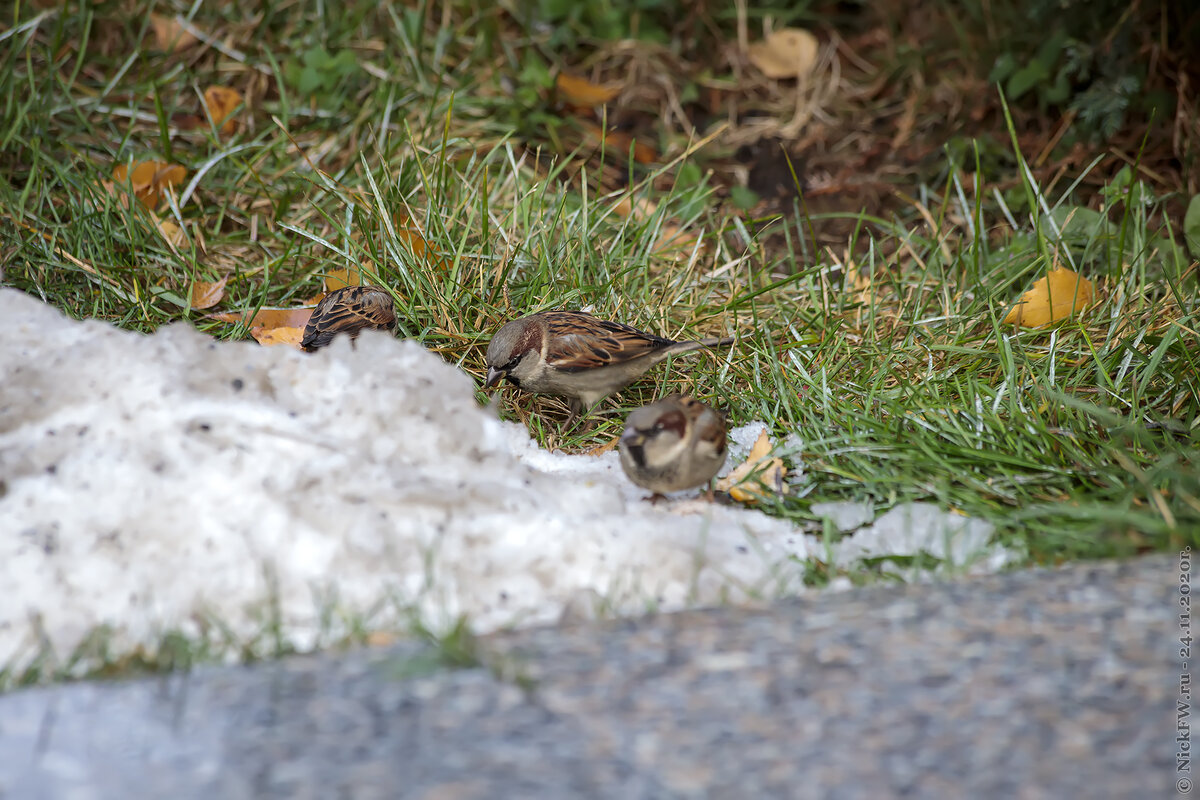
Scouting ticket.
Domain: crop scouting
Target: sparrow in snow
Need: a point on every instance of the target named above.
(674, 444)
(348, 310)
(575, 355)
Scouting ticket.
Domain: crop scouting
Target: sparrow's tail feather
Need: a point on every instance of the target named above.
(688, 345)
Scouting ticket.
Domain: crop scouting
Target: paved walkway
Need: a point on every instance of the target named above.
(1055, 684)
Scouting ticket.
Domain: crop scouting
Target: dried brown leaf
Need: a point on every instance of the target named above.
(582, 93)
(206, 294)
(171, 233)
(786, 53)
(122, 197)
(409, 235)
(169, 35)
(619, 143)
(222, 102)
(601, 449)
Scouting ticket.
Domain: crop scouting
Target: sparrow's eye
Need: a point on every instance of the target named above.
(511, 365)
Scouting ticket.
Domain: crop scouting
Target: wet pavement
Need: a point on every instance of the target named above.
(1046, 683)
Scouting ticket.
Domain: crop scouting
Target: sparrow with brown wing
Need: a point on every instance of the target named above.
(349, 310)
(674, 444)
(575, 355)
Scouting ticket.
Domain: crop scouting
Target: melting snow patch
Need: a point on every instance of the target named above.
(914, 529)
(159, 483)
(741, 441)
(845, 516)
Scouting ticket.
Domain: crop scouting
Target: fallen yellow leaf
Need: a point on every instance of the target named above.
(268, 317)
(408, 234)
(340, 278)
(758, 468)
(207, 295)
(171, 233)
(581, 92)
(269, 337)
(1056, 296)
(148, 179)
(222, 102)
(169, 34)
(619, 142)
(787, 53)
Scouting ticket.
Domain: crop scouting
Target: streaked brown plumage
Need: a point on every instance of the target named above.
(575, 355)
(349, 310)
(674, 444)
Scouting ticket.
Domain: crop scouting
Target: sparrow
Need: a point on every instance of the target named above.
(575, 355)
(348, 310)
(674, 444)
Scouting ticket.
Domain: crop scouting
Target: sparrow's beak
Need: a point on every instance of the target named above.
(631, 443)
(493, 377)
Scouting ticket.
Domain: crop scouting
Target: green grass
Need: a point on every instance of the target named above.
(1077, 441)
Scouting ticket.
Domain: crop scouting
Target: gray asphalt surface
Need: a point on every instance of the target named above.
(1055, 684)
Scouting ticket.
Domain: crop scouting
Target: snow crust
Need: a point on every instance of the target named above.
(164, 482)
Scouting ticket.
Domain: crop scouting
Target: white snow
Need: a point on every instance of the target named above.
(157, 483)
(844, 516)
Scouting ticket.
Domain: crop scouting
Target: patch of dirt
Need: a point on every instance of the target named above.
(873, 123)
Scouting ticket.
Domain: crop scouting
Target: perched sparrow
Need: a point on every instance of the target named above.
(674, 444)
(574, 355)
(348, 310)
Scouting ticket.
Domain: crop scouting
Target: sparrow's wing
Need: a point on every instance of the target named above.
(710, 435)
(579, 341)
(709, 426)
(348, 310)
